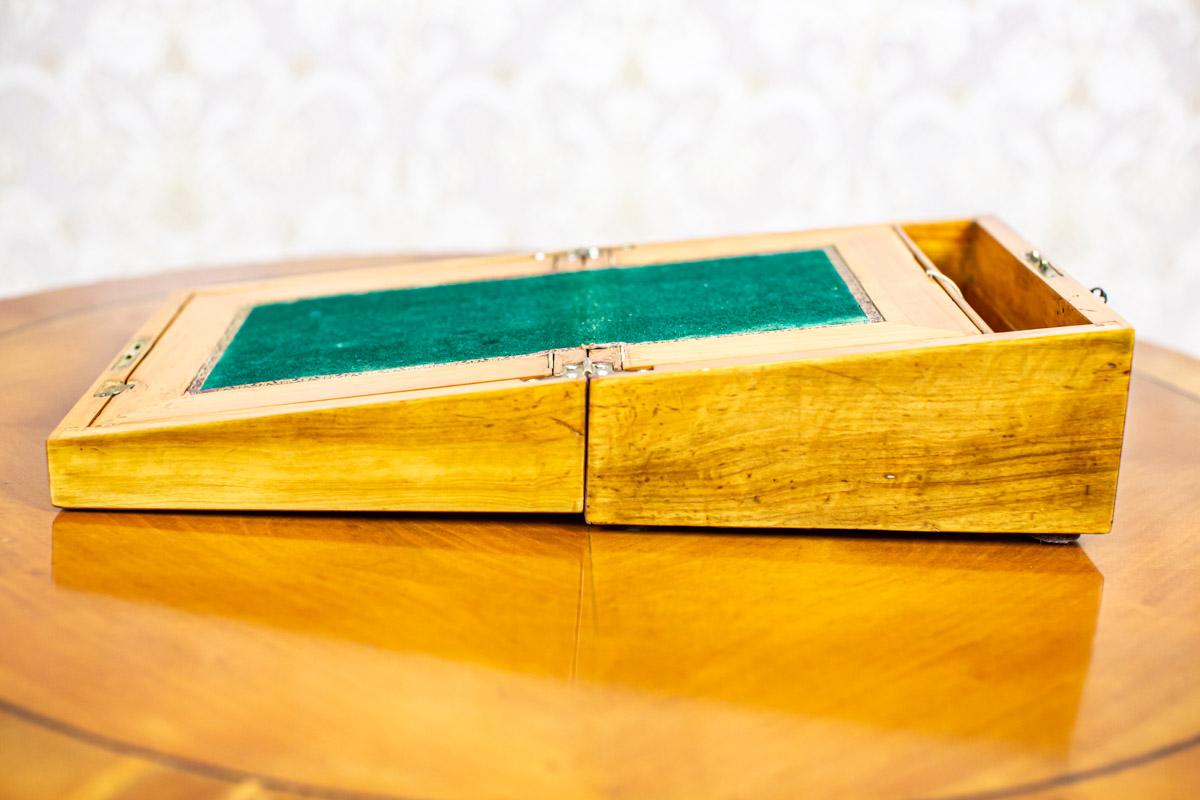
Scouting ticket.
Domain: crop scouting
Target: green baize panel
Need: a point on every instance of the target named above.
(393, 328)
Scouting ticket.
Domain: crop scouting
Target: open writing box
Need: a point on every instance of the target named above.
(937, 376)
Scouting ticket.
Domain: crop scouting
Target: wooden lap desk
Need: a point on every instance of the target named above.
(418, 655)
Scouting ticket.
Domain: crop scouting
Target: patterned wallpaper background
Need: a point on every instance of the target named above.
(139, 136)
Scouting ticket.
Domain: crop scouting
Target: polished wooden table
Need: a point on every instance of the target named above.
(155, 655)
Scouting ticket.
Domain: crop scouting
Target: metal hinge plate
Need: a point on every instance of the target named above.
(135, 351)
(581, 257)
(569, 364)
(113, 388)
(588, 367)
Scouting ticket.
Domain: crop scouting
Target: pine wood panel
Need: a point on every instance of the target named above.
(1009, 433)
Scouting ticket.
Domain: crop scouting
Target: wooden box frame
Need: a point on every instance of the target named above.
(989, 397)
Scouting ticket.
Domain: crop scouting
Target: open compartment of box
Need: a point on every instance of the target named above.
(929, 377)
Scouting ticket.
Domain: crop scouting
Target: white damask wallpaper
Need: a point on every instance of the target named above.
(139, 136)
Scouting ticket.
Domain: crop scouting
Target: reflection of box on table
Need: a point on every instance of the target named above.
(948, 638)
(927, 377)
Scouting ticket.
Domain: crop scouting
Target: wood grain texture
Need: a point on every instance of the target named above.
(1010, 434)
(516, 447)
(418, 656)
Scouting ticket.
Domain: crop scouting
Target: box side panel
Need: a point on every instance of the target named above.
(512, 449)
(1010, 433)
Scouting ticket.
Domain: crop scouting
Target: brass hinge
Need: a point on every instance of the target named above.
(129, 356)
(581, 257)
(587, 367)
(113, 388)
(1043, 264)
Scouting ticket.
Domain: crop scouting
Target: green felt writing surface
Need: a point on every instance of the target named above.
(394, 328)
